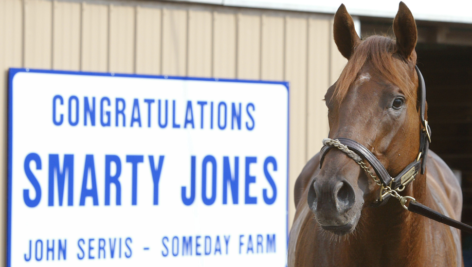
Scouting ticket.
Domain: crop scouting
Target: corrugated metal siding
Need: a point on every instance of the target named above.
(272, 47)
(249, 45)
(178, 39)
(66, 35)
(174, 41)
(296, 48)
(94, 35)
(148, 40)
(37, 34)
(224, 44)
(200, 30)
(122, 39)
(11, 55)
(318, 81)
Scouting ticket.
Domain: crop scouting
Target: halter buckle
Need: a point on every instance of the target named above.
(426, 129)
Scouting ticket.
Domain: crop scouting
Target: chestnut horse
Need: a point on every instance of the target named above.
(374, 102)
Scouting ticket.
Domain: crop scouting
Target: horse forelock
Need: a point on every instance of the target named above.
(381, 53)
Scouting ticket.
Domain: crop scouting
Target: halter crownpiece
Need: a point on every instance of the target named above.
(392, 186)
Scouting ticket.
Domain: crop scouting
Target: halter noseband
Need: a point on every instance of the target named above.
(390, 186)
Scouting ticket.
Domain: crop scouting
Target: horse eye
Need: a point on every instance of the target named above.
(397, 103)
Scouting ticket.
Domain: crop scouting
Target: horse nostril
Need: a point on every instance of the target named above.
(344, 196)
(312, 198)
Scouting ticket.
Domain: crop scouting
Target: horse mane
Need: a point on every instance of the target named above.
(381, 52)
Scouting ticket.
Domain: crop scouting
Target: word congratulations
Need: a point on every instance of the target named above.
(162, 113)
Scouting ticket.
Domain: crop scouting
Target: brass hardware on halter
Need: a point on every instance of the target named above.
(394, 193)
(381, 194)
(404, 200)
(408, 176)
(407, 179)
(370, 173)
(428, 134)
(385, 190)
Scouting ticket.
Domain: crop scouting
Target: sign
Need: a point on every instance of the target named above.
(128, 170)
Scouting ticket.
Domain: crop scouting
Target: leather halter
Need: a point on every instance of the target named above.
(408, 174)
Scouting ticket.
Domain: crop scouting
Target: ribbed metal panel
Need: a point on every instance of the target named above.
(11, 55)
(224, 44)
(66, 35)
(200, 43)
(94, 37)
(296, 48)
(122, 39)
(318, 82)
(272, 47)
(179, 39)
(249, 45)
(148, 40)
(174, 41)
(37, 33)
(11, 48)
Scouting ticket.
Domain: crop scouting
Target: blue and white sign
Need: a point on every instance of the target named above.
(127, 170)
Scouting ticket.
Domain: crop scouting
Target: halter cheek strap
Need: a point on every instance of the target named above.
(425, 134)
(393, 186)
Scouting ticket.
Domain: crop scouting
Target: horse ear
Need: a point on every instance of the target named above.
(345, 35)
(404, 27)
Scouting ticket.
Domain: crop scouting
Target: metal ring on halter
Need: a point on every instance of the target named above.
(404, 200)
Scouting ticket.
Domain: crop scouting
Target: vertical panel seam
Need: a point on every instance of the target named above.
(135, 48)
(23, 29)
(187, 42)
(161, 48)
(261, 22)
(81, 36)
(212, 48)
(53, 13)
(328, 81)
(330, 51)
(307, 86)
(236, 54)
(109, 6)
(187, 39)
(285, 51)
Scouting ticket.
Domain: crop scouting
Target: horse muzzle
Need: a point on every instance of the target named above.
(334, 203)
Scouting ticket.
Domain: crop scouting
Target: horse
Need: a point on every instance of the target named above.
(338, 220)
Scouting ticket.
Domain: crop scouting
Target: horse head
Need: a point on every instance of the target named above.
(374, 102)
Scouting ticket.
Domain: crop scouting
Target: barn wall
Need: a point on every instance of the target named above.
(176, 39)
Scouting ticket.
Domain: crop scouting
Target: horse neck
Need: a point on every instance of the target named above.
(388, 231)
